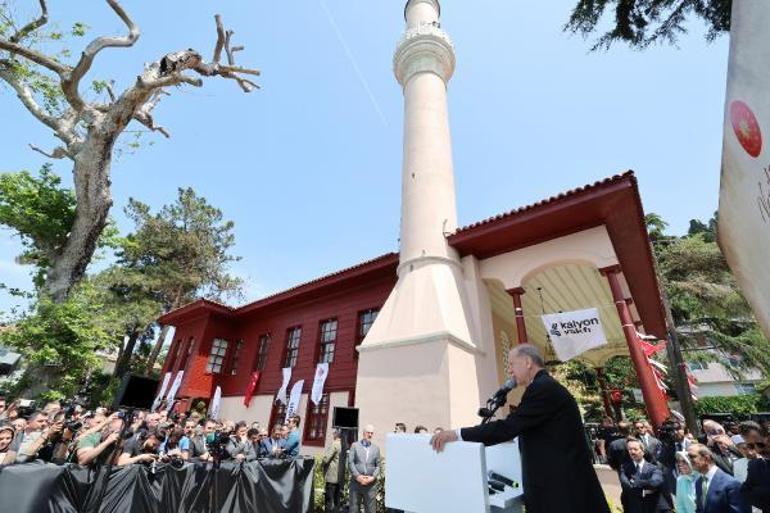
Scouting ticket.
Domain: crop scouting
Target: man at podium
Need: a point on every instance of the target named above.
(557, 472)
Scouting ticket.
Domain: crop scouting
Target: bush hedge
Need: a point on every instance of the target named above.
(739, 407)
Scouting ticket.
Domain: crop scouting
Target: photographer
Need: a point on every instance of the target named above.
(28, 443)
(97, 443)
(142, 448)
(176, 446)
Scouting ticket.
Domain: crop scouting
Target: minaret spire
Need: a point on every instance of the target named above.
(422, 344)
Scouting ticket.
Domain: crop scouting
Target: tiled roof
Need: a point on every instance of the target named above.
(552, 199)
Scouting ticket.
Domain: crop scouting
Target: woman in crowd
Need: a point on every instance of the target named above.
(6, 437)
(685, 484)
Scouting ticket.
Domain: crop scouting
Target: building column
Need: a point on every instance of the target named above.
(654, 399)
(521, 327)
(604, 391)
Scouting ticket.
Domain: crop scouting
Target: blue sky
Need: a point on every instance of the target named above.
(309, 167)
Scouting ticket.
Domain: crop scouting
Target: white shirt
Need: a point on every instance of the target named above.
(639, 465)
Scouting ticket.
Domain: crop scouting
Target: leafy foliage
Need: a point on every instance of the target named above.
(41, 212)
(640, 23)
(708, 308)
(59, 341)
(740, 406)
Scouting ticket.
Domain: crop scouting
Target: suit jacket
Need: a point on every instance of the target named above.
(291, 449)
(363, 461)
(723, 495)
(651, 448)
(268, 444)
(756, 488)
(643, 492)
(236, 446)
(617, 454)
(556, 461)
(331, 462)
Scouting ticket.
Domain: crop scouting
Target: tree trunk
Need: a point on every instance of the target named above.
(122, 365)
(92, 189)
(156, 349)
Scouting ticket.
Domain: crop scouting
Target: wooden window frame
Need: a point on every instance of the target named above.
(210, 364)
(292, 350)
(323, 345)
(312, 419)
(259, 362)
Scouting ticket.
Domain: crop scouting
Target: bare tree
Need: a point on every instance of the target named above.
(88, 129)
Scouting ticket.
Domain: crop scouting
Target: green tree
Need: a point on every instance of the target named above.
(37, 66)
(41, 211)
(707, 306)
(180, 253)
(640, 23)
(59, 343)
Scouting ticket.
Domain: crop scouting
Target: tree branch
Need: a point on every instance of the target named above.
(33, 25)
(25, 95)
(71, 81)
(34, 56)
(144, 114)
(60, 152)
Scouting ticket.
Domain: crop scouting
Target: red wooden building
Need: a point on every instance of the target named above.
(584, 248)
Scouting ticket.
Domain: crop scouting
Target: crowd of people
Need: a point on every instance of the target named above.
(68, 433)
(725, 470)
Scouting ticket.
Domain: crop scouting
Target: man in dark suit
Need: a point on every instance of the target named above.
(273, 447)
(642, 483)
(715, 491)
(617, 452)
(556, 461)
(649, 442)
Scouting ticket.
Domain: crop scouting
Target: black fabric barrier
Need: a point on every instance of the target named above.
(264, 486)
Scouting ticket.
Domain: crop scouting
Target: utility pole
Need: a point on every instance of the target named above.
(674, 352)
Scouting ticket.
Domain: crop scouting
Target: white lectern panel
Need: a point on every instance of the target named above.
(420, 480)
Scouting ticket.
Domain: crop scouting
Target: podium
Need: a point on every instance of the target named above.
(419, 480)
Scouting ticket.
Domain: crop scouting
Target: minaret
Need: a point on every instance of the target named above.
(417, 364)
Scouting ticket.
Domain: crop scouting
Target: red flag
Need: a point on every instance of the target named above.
(650, 349)
(250, 389)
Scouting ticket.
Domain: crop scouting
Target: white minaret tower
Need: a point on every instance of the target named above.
(417, 364)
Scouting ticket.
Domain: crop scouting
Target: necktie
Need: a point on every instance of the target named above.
(704, 490)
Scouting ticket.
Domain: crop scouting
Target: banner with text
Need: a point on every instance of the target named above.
(574, 333)
(294, 398)
(744, 196)
(317, 392)
(281, 395)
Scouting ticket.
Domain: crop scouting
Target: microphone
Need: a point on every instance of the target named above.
(494, 476)
(503, 391)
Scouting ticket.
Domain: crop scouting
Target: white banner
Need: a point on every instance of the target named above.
(215, 402)
(744, 196)
(321, 371)
(281, 395)
(174, 390)
(296, 394)
(574, 333)
(163, 387)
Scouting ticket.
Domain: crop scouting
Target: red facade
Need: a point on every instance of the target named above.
(342, 297)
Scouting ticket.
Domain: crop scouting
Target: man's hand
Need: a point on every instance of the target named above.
(361, 480)
(148, 457)
(240, 457)
(112, 438)
(440, 439)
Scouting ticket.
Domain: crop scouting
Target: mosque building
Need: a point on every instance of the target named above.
(421, 336)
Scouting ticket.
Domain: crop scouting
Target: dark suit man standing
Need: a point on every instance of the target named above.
(715, 491)
(649, 442)
(642, 483)
(556, 460)
(617, 452)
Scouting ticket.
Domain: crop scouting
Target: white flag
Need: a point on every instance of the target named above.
(744, 196)
(574, 333)
(174, 390)
(321, 371)
(163, 387)
(215, 402)
(281, 395)
(296, 394)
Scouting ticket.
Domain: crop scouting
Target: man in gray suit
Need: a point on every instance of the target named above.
(364, 466)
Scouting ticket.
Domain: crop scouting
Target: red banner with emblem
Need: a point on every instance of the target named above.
(250, 389)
